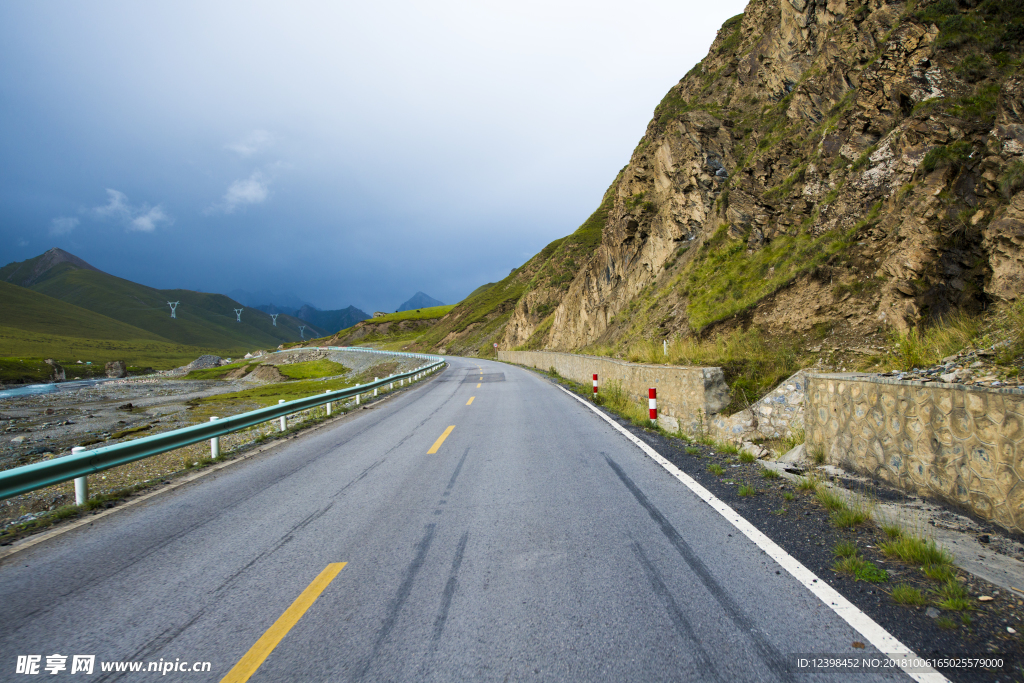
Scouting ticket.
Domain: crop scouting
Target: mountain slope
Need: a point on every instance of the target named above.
(204, 320)
(31, 311)
(836, 169)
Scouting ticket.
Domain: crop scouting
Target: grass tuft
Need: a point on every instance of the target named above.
(716, 469)
(770, 474)
(905, 594)
(746, 490)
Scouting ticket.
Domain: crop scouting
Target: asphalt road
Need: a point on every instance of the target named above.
(536, 543)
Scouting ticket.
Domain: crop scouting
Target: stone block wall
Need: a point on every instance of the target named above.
(686, 395)
(960, 443)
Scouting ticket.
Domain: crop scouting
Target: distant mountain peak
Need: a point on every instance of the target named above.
(419, 300)
(26, 273)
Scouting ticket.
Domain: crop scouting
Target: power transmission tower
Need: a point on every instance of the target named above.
(273, 316)
(173, 305)
(238, 312)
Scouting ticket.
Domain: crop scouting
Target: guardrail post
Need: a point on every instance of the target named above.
(652, 404)
(375, 388)
(328, 404)
(214, 443)
(595, 385)
(284, 418)
(357, 396)
(81, 483)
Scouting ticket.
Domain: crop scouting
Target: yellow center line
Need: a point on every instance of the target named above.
(470, 401)
(477, 386)
(252, 659)
(440, 440)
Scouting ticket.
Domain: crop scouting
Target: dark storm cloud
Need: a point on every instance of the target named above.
(350, 153)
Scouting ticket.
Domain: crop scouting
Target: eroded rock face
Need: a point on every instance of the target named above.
(116, 368)
(58, 370)
(848, 128)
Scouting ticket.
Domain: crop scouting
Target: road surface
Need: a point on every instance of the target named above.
(533, 542)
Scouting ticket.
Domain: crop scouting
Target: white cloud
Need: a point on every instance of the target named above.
(252, 190)
(256, 141)
(62, 225)
(22, 242)
(147, 221)
(142, 218)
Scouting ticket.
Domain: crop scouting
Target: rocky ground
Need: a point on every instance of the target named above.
(42, 426)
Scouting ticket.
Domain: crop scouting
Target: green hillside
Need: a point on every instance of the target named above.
(36, 326)
(202, 320)
(32, 311)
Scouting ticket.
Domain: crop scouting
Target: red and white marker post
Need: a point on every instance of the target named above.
(595, 385)
(652, 404)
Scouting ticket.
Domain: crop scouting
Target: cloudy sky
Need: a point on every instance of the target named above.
(350, 153)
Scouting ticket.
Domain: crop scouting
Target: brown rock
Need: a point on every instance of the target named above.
(117, 368)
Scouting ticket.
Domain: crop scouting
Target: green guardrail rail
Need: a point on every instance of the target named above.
(38, 475)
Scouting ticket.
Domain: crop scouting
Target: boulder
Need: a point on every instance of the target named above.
(117, 368)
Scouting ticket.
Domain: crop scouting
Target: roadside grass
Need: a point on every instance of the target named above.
(312, 369)
(747, 457)
(806, 484)
(905, 594)
(746, 490)
(844, 514)
(917, 349)
(753, 365)
(850, 562)
(916, 551)
(769, 473)
(953, 597)
(715, 469)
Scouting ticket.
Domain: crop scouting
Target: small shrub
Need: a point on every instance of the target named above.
(954, 154)
(905, 594)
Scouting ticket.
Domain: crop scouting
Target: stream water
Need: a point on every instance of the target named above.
(36, 389)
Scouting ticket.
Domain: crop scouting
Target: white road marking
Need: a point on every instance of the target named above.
(850, 613)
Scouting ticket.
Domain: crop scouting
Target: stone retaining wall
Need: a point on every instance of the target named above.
(959, 443)
(685, 394)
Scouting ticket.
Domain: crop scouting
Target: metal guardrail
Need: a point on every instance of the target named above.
(41, 474)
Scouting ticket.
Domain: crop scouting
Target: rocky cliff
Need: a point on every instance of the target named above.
(855, 165)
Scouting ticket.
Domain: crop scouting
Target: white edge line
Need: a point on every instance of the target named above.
(884, 641)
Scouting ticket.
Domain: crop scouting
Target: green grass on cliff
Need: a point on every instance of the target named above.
(724, 279)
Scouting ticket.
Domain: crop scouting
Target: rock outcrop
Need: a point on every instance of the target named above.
(854, 164)
(116, 368)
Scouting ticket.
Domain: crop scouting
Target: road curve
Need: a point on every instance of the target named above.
(535, 543)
